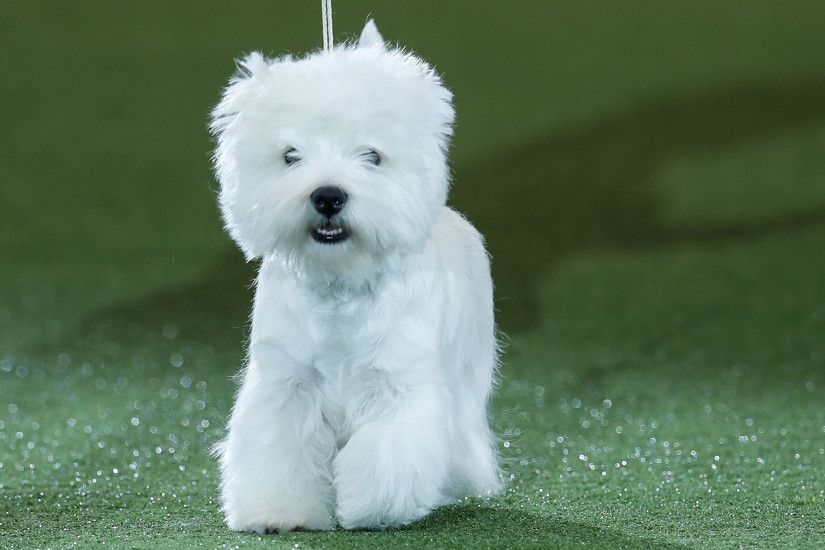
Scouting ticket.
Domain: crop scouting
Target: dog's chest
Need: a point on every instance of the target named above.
(344, 333)
(344, 338)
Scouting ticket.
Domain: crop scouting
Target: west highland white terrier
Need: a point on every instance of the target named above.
(372, 353)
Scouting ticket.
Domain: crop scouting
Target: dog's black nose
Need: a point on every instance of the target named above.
(328, 200)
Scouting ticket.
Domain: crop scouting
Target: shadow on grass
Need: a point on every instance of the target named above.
(536, 203)
(483, 527)
(593, 185)
(213, 309)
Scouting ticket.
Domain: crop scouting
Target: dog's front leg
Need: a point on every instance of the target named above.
(393, 468)
(275, 462)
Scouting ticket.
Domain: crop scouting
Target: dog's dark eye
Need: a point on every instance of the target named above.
(291, 156)
(372, 156)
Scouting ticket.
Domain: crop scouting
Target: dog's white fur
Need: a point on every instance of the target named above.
(371, 361)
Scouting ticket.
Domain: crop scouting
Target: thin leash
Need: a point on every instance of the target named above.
(326, 23)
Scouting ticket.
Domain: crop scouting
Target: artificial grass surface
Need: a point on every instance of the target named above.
(651, 183)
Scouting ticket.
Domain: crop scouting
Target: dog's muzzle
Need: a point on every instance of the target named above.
(329, 201)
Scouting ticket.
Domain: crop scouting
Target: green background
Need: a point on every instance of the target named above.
(650, 177)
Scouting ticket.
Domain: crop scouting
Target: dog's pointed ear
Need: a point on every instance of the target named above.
(370, 36)
(251, 64)
(239, 89)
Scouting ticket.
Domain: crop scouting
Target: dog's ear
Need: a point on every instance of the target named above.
(238, 90)
(370, 36)
(254, 63)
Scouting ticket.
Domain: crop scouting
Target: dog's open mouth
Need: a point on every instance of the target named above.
(329, 232)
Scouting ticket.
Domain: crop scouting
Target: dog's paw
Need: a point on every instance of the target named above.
(377, 494)
(273, 524)
(355, 514)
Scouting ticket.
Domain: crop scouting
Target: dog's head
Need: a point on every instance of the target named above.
(336, 154)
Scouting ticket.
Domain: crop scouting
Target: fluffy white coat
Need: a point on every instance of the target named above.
(371, 361)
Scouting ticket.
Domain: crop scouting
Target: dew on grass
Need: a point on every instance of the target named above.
(142, 457)
(170, 331)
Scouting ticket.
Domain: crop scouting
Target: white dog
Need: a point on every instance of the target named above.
(373, 351)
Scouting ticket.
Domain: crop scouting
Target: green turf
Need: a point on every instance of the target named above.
(651, 180)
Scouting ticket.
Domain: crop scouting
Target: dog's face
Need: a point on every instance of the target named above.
(337, 154)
